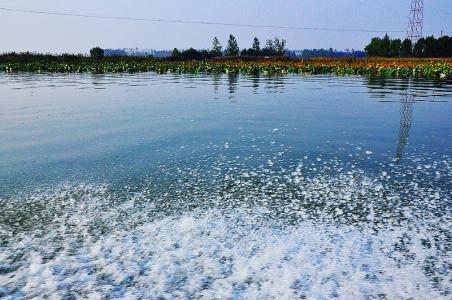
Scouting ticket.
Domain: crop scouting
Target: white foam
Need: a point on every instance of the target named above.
(204, 254)
(292, 235)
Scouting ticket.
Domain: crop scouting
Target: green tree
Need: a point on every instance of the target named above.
(96, 52)
(444, 46)
(233, 47)
(419, 48)
(431, 47)
(204, 54)
(394, 48)
(217, 49)
(373, 49)
(385, 46)
(190, 54)
(176, 54)
(279, 46)
(269, 48)
(406, 49)
(255, 49)
(256, 46)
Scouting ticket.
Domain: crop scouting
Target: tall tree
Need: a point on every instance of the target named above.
(280, 46)
(256, 46)
(385, 46)
(233, 47)
(394, 48)
(406, 49)
(269, 48)
(217, 49)
(431, 47)
(176, 54)
(255, 49)
(419, 47)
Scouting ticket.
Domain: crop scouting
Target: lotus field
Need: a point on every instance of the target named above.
(376, 67)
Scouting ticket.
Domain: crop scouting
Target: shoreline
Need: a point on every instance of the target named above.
(373, 67)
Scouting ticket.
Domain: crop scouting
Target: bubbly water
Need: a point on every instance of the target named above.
(224, 187)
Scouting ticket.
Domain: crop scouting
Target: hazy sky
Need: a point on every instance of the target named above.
(44, 33)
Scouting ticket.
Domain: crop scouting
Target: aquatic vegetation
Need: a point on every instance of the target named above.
(375, 67)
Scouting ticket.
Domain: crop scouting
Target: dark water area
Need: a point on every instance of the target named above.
(224, 186)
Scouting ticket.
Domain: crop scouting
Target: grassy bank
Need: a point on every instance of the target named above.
(375, 67)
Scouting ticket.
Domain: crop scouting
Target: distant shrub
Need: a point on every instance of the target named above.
(96, 52)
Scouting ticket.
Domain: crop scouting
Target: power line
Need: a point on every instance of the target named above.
(42, 12)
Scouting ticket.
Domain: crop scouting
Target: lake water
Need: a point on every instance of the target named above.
(224, 187)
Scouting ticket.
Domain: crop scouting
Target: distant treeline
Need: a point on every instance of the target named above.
(137, 52)
(31, 57)
(424, 47)
(313, 53)
(275, 47)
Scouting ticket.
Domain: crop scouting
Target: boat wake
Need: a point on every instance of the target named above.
(293, 236)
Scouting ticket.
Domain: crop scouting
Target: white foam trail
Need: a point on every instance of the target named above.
(215, 255)
(257, 234)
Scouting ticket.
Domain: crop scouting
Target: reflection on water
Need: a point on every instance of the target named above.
(406, 117)
(216, 82)
(255, 80)
(379, 88)
(140, 186)
(232, 84)
(384, 89)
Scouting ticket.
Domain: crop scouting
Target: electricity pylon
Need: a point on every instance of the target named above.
(416, 23)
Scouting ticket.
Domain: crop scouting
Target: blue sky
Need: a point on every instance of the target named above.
(43, 33)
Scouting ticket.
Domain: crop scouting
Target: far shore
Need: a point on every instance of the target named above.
(433, 68)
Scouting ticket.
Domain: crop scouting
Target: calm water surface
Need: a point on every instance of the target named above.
(209, 186)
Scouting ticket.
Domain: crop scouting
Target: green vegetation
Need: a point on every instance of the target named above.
(375, 67)
(96, 52)
(424, 47)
